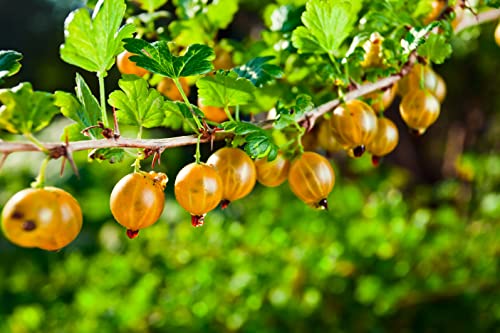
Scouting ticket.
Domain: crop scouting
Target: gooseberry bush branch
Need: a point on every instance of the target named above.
(224, 89)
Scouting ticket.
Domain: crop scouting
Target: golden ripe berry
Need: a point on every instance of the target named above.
(126, 66)
(385, 140)
(168, 88)
(273, 173)
(382, 99)
(198, 189)
(311, 179)
(419, 110)
(437, 7)
(326, 139)
(423, 77)
(48, 218)
(237, 172)
(137, 200)
(354, 125)
(212, 113)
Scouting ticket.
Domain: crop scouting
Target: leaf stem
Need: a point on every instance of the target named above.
(228, 113)
(184, 97)
(102, 92)
(40, 179)
(197, 155)
(36, 142)
(237, 112)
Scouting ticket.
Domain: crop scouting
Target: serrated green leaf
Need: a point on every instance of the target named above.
(258, 143)
(327, 23)
(259, 71)
(188, 32)
(157, 58)
(136, 103)
(84, 109)
(151, 5)
(26, 111)
(225, 89)
(93, 43)
(436, 48)
(288, 116)
(9, 63)
(112, 155)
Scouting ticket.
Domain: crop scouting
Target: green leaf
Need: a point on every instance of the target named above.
(150, 5)
(416, 37)
(157, 58)
(9, 63)
(93, 43)
(136, 103)
(258, 143)
(436, 48)
(177, 115)
(112, 155)
(73, 132)
(84, 109)
(26, 111)
(327, 23)
(225, 89)
(220, 13)
(284, 18)
(259, 71)
(288, 116)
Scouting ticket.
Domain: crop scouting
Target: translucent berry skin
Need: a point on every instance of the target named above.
(212, 113)
(168, 88)
(198, 188)
(419, 110)
(274, 173)
(236, 170)
(431, 81)
(311, 178)
(326, 139)
(126, 66)
(381, 100)
(354, 124)
(48, 218)
(385, 140)
(137, 200)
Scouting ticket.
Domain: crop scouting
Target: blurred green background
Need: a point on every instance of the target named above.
(411, 246)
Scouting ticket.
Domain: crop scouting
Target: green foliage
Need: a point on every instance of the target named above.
(93, 43)
(157, 58)
(326, 25)
(151, 5)
(137, 104)
(492, 3)
(259, 71)
(26, 111)
(258, 142)
(84, 109)
(225, 89)
(9, 63)
(436, 48)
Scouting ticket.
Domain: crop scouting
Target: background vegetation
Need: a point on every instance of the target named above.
(410, 246)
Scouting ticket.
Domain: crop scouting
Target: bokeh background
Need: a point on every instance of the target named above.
(410, 246)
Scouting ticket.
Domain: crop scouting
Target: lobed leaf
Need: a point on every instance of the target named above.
(92, 43)
(157, 58)
(436, 48)
(225, 89)
(327, 23)
(26, 111)
(136, 103)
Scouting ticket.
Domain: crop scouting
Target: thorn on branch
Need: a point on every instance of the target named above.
(4, 158)
(107, 132)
